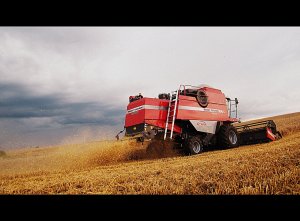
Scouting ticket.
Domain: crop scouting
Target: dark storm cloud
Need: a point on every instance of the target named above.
(17, 101)
(91, 113)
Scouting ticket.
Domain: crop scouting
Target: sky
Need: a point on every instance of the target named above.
(62, 85)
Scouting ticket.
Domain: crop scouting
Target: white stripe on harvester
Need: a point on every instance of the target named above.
(200, 109)
(148, 107)
(180, 107)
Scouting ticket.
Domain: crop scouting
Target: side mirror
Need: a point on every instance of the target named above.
(236, 101)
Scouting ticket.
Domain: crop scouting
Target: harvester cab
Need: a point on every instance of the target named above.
(193, 117)
(232, 107)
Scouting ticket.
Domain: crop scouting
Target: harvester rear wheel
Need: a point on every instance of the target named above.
(194, 145)
(228, 136)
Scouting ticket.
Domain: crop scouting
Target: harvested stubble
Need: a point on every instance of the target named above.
(124, 167)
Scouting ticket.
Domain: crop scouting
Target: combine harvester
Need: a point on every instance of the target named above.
(193, 118)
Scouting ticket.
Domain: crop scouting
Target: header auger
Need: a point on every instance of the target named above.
(195, 118)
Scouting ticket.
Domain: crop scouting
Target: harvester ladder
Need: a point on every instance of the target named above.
(171, 116)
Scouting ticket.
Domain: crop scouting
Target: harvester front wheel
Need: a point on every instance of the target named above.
(194, 145)
(228, 136)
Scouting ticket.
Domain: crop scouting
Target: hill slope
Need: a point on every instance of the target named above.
(123, 168)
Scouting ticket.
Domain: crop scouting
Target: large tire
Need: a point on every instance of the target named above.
(228, 136)
(194, 145)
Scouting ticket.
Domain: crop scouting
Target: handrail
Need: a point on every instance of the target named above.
(187, 85)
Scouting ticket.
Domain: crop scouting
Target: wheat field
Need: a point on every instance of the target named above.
(123, 167)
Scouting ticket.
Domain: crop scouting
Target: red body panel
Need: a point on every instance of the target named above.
(158, 112)
(154, 111)
(216, 110)
(270, 135)
(162, 124)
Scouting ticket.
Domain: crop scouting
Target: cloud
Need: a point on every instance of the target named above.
(20, 102)
(28, 119)
(65, 77)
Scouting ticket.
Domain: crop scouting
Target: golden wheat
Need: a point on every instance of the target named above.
(124, 167)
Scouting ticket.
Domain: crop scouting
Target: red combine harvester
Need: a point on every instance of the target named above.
(196, 118)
